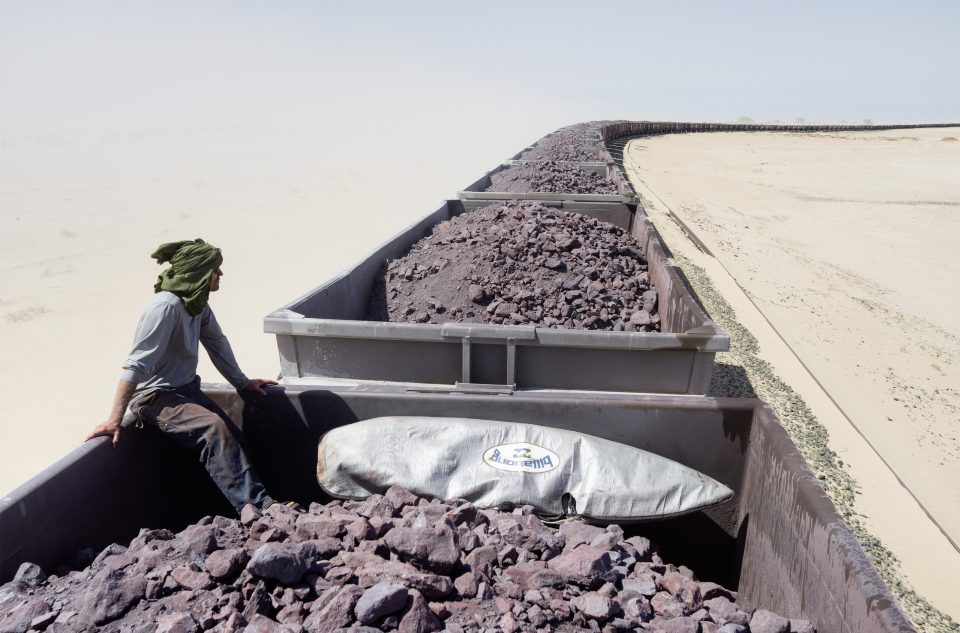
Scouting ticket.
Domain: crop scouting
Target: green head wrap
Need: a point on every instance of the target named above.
(188, 277)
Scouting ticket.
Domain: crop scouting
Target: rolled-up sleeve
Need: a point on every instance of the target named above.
(149, 343)
(219, 350)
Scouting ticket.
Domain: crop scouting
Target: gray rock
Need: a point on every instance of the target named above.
(361, 530)
(198, 539)
(649, 301)
(685, 571)
(466, 514)
(577, 533)
(732, 628)
(722, 611)
(249, 513)
(418, 618)
(431, 548)
(120, 561)
(278, 561)
(479, 294)
(400, 497)
(258, 603)
(638, 610)
(678, 625)
(337, 612)
(110, 594)
(176, 623)
(376, 506)
(109, 550)
(30, 575)
(666, 605)
(764, 621)
(712, 590)
(314, 553)
(20, 618)
(226, 563)
(380, 600)
(481, 558)
(149, 536)
(583, 565)
(594, 605)
(546, 578)
(467, 584)
(432, 586)
(605, 541)
(340, 575)
(685, 589)
(192, 579)
(41, 622)
(700, 615)
(309, 526)
(642, 586)
(262, 624)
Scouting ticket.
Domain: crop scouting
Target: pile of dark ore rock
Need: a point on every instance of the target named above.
(551, 177)
(520, 264)
(575, 143)
(390, 562)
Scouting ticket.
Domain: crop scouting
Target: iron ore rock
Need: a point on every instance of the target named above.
(397, 563)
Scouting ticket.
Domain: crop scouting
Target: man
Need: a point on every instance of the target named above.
(159, 381)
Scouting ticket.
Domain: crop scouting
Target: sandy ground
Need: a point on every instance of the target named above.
(80, 214)
(838, 252)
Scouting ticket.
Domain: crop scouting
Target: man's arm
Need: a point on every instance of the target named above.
(221, 354)
(120, 402)
(149, 343)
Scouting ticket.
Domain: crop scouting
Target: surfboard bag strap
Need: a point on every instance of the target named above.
(493, 464)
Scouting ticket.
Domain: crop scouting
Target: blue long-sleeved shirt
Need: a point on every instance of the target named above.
(167, 343)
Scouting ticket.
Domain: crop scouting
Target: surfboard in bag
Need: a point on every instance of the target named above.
(494, 464)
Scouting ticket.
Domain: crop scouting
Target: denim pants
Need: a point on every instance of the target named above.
(194, 421)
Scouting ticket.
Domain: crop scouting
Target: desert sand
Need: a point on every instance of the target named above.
(838, 253)
(80, 213)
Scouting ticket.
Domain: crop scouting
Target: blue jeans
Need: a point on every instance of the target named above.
(194, 421)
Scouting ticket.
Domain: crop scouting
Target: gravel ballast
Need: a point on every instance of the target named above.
(391, 562)
(521, 264)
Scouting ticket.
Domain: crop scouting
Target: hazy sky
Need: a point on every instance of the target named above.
(228, 63)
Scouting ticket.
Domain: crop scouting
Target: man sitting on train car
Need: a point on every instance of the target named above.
(159, 380)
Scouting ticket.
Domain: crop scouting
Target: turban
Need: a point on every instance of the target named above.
(188, 277)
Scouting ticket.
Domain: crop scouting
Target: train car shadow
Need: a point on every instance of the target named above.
(730, 381)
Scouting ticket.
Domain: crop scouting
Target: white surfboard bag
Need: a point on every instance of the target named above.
(501, 464)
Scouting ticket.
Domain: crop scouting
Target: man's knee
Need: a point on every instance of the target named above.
(195, 421)
(218, 430)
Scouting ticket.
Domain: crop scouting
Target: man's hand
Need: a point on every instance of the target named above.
(120, 401)
(110, 427)
(256, 386)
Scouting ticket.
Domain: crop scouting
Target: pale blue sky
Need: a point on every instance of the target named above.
(204, 63)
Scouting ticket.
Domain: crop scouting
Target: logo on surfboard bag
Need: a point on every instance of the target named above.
(521, 457)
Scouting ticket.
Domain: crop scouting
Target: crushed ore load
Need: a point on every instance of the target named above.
(521, 264)
(550, 177)
(574, 143)
(390, 562)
